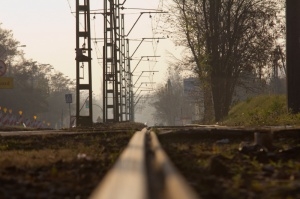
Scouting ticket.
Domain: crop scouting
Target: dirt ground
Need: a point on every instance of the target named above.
(227, 164)
(217, 164)
(59, 166)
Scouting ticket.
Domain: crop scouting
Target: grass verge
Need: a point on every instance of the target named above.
(265, 110)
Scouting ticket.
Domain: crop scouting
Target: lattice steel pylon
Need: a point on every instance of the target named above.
(114, 90)
(124, 73)
(83, 63)
(129, 91)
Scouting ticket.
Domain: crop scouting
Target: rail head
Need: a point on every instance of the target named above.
(172, 184)
(126, 179)
(143, 171)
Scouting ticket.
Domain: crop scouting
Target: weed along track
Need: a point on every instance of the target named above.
(130, 161)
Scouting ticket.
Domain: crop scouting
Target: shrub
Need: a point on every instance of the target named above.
(264, 110)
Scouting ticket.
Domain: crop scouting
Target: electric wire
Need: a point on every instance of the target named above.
(72, 12)
(154, 26)
(71, 8)
(97, 50)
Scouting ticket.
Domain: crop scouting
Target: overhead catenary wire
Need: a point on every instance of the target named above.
(97, 50)
(71, 8)
(97, 41)
(154, 30)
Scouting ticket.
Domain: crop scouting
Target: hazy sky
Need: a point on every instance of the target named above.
(47, 28)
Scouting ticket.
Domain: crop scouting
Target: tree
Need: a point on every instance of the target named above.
(30, 88)
(37, 91)
(225, 38)
(8, 45)
(58, 110)
(164, 104)
(169, 101)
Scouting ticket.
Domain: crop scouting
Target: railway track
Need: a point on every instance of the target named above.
(143, 171)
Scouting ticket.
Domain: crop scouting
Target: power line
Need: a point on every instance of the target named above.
(140, 9)
(71, 8)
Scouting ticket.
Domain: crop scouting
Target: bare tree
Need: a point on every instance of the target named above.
(169, 101)
(225, 38)
(165, 103)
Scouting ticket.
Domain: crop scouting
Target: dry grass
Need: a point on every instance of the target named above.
(35, 158)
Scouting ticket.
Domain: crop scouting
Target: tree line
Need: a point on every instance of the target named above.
(38, 89)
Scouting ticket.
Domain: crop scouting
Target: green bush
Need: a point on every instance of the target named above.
(264, 110)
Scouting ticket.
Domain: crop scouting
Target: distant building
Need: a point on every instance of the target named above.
(194, 98)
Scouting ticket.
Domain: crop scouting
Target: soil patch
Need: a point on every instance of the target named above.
(220, 164)
(57, 166)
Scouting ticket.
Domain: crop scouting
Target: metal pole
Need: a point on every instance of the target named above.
(293, 52)
(70, 125)
(62, 118)
(77, 64)
(129, 82)
(104, 86)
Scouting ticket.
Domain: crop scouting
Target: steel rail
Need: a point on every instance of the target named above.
(143, 171)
